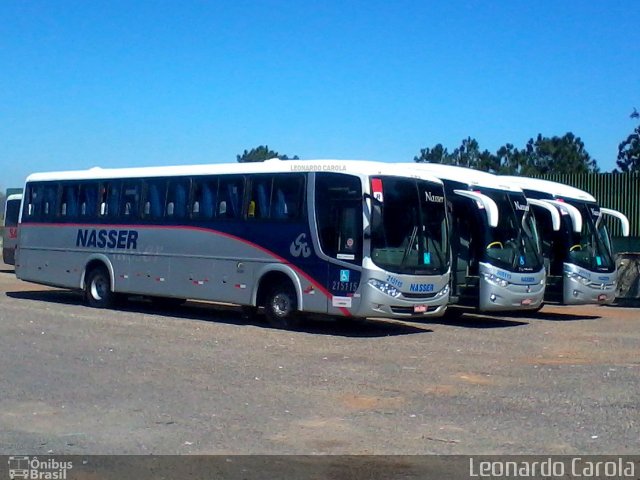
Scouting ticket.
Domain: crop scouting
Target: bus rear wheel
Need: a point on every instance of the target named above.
(97, 288)
(281, 306)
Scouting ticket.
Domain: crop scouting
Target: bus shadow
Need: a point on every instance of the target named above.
(232, 315)
(7, 270)
(65, 297)
(478, 321)
(553, 316)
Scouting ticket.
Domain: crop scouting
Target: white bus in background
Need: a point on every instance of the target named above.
(339, 238)
(497, 265)
(576, 244)
(10, 231)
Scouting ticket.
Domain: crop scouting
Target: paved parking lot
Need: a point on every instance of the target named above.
(200, 380)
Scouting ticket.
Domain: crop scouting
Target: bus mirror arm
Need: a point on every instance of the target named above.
(485, 202)
(620, 216)
(374, 200)
(553, 211)
(375, 219)
(568, 209)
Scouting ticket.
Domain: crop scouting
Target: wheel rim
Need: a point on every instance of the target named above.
(99, 288)
(281, 304)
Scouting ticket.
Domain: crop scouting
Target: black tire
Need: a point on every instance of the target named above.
(97, 290)
(281, 306)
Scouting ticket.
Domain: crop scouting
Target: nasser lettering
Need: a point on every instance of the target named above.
(102, 238)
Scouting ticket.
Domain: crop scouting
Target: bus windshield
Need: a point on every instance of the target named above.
(410, 235)
(590, 248)
(514, 243)
(12, 212)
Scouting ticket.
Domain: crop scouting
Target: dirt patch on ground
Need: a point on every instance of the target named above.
(443, 390)
(476, 379)
(367, 402)
(561, 359)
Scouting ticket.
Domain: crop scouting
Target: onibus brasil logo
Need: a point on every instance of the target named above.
(34, 469)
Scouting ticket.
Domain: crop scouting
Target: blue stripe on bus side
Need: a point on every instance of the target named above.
(298, 269)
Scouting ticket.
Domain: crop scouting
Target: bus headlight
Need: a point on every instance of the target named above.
(442, 292)
(385, 287)
(583, 280)
(495, 280)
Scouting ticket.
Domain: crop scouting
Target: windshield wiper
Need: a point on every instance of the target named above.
(412, 240)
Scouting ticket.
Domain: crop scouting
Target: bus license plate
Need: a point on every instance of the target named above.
(527, 301)
(419, 308)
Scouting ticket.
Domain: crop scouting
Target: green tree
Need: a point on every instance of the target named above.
(565, 154)
(541, 155)
(468, 154)
(437, 154)
(260, 154)
(629, 149)
(512, 161)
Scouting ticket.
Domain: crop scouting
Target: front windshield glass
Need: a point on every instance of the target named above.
(514, 243)
(590, 248)
(409, 232)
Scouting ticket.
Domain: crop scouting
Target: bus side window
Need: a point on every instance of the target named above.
(130, 199)
(156, 190)
(288, 197)
(69, 206)
(33, 202)
(260, 202)
(280, 209)
(88, 200)
(50, 200)
(204, 197)
(232, 190)
(177, 196)
(109, 198)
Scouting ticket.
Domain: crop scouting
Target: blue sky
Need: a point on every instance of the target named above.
(134, 83)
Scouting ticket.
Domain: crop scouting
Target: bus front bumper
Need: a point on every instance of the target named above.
(504, 291)
(376, 303)
(577, 293)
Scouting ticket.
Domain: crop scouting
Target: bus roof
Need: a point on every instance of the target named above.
(553, 188)
(14, 197)
(466, 175)
(357, 167)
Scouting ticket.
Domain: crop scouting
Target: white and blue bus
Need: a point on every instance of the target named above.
(497, 265)
(10, 231)
(576, 244)
(340, 238)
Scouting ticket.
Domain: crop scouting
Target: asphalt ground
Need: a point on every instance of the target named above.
(200, 380)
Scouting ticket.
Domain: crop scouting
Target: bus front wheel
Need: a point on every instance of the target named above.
(98, 288)
(281, 306)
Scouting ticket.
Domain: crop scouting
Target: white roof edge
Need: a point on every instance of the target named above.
(14, 196)
(356, 167)
(469, 176)
(556, 189)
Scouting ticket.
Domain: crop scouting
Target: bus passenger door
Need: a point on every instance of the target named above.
(339, 220)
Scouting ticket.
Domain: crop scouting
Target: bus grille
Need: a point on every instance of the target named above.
(409, 310)
(419, 296)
